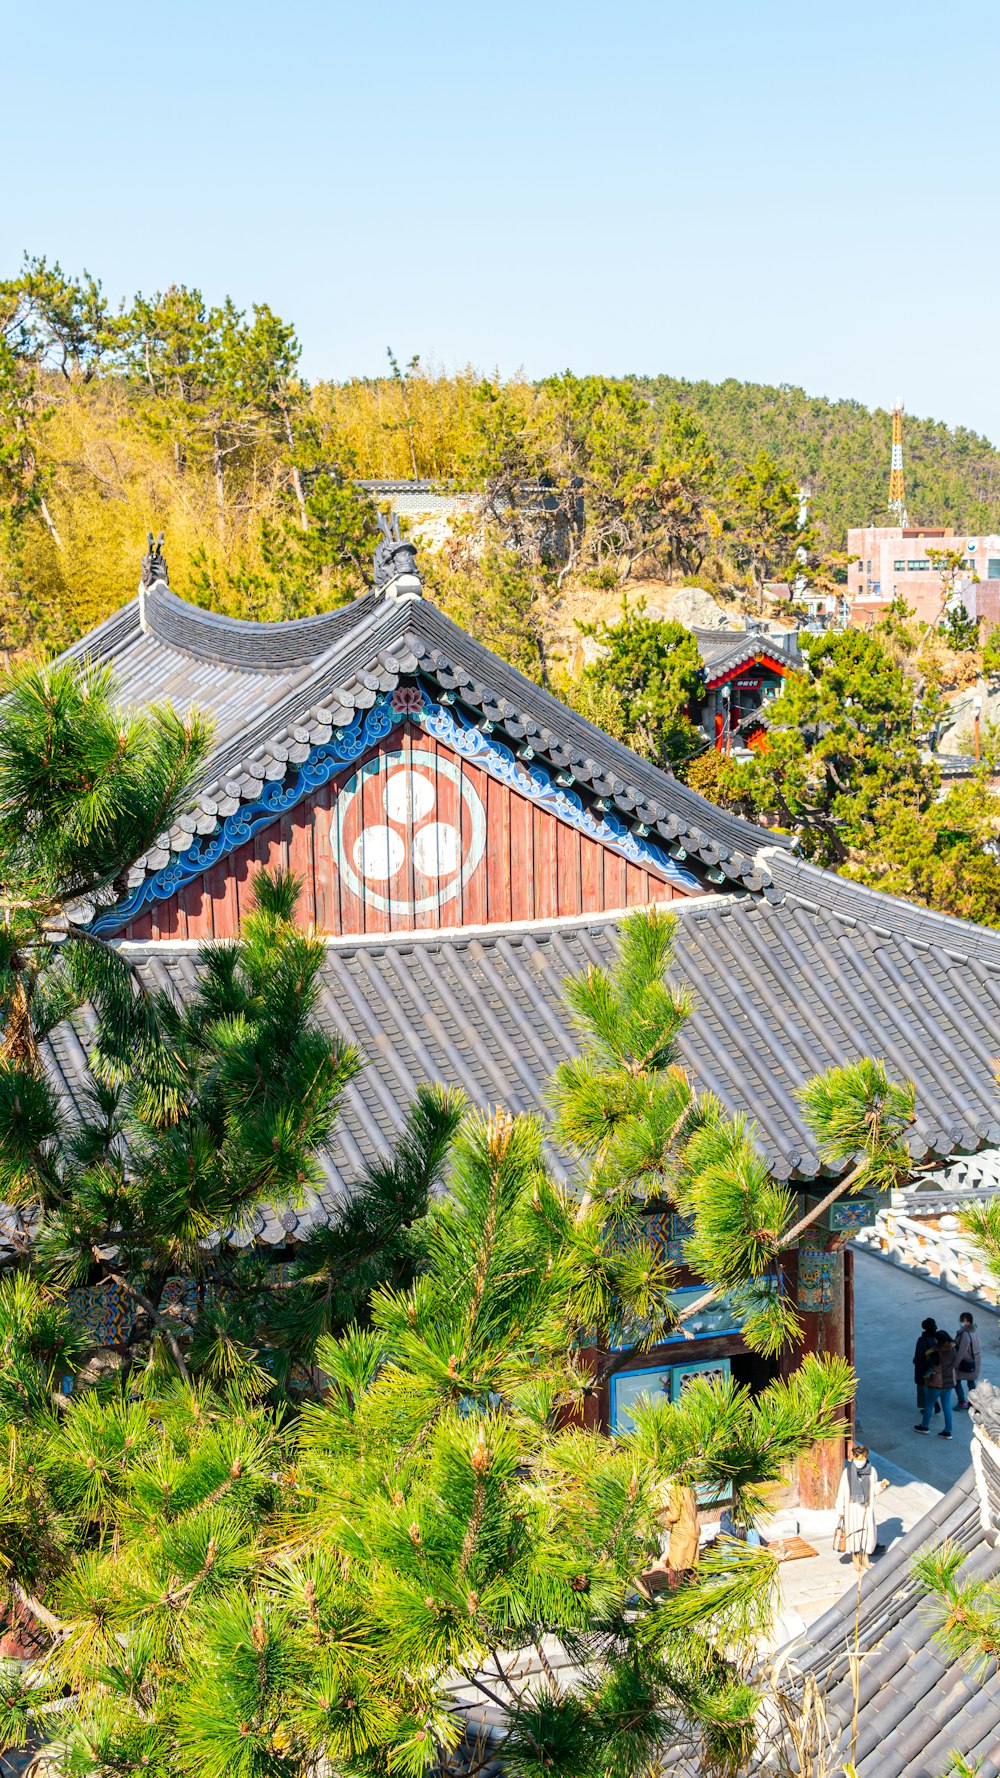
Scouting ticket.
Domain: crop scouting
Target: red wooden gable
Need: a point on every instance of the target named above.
(413, 837)
(762, 660)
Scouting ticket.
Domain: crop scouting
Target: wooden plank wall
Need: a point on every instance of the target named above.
(534, 866)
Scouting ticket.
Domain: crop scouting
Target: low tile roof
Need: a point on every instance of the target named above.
(817, 972)
(916, 1705)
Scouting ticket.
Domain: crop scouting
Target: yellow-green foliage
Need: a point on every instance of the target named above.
(172, 415)
(115, 477)
(378, 419)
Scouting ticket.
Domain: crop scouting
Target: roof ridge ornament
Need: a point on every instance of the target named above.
(153, 573)
(396, 572)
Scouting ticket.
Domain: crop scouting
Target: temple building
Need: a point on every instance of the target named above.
(744, 672)
(466, 843)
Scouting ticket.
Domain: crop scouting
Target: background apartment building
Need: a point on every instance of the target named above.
(896, 561)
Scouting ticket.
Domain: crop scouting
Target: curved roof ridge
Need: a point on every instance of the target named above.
(246, 643)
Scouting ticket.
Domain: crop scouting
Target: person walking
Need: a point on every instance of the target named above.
(940, 1382)
(859, 1485)
(925, 1341)
(968, 1358)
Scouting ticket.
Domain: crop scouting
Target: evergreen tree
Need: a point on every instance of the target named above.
(219, 1105)
(841, 749)
(211, 1585)
(500, 595)
(85, 788)
(844, 769)
(764, 521)
(227, 1594)
(654, 671)
(627, 1105)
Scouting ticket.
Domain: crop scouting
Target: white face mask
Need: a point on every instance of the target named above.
(859, 1462)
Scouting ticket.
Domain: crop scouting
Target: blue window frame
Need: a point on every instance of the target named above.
(660, 1382)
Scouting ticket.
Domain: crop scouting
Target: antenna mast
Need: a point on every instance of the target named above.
(897, 490)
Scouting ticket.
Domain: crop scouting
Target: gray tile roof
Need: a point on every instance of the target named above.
(807, 971)
(915, 1705)
(723, 650)
(276, 691)
(784, 987)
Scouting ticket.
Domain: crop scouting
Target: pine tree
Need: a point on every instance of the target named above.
(228, 1593)
(85, 788)
(221, 1576)
(654, 670)
(765, 524)
(628, 1107)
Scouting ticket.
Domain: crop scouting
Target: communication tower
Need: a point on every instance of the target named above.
(897, 490)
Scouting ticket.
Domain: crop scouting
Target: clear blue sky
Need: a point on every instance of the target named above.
(785, 192)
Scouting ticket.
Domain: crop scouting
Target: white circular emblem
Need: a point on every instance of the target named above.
(408, 796)
(378, 852)
(436, 849)
(408, 831)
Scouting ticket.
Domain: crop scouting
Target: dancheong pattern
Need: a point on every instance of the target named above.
(440, 848)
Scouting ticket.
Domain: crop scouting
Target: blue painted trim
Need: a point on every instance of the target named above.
(347, 745)
(500, 762)
(343, 747)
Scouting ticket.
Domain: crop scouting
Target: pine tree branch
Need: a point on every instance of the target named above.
(503, 1704)
(793, 1234)
(156, 1317)
(824, 1204)
(482, 1268)
(177, 1595)
(543, 1662)
(53, 1624)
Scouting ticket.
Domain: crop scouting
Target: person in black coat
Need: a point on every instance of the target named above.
(940, 1382)
(925, 1344)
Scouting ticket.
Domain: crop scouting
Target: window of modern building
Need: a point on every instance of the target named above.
(899, 567)
(993, 568)
(916, 567)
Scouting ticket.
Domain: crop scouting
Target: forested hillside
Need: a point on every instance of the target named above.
(170, 414)
(841, 450)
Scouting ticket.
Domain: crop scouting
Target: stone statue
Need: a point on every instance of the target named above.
(393, 554)
(984, 1401)
(154, 567)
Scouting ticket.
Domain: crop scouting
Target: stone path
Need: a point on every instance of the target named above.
(889, 1307)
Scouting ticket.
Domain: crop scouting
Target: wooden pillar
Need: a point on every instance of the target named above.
(828, 1332)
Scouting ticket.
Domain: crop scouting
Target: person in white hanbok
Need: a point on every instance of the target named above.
(855, 1508)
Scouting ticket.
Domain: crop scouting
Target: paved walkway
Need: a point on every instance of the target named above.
(890, 1304)
(810, 1586)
